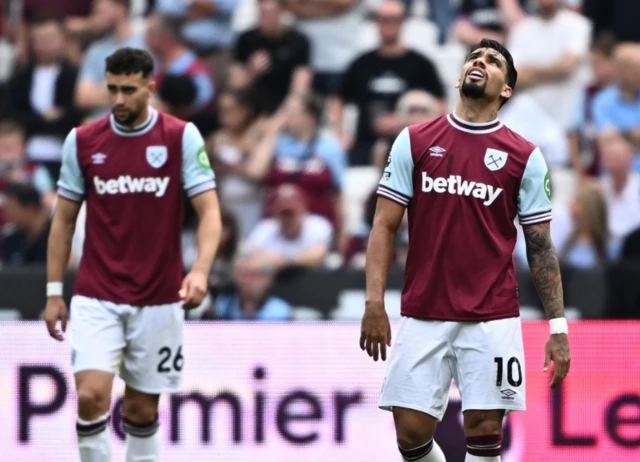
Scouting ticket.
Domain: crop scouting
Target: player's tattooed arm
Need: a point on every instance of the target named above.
(545, 269)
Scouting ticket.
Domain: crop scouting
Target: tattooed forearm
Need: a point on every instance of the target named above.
(545, 269)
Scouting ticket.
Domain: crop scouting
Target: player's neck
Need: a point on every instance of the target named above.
(475, 114)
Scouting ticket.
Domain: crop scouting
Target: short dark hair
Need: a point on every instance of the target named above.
(130, 61)
(11, 127)
(313, 105)
(512, 73)
(24, 193)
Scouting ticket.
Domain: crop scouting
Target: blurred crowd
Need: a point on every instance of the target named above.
(299, 102)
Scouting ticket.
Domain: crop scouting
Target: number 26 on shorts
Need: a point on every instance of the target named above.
(166, 363)
(514, 371)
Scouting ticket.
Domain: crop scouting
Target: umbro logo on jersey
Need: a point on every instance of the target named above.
(98, 158)
(437, 151)
(454, 184)
(125, 184)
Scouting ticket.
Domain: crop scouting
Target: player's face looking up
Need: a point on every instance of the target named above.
(129, 96)
(484, 76)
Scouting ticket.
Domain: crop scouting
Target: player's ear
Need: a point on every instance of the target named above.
(507, 91)
(458, 83)
(152, 86)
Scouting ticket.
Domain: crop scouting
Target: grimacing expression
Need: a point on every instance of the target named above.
(484, 76)
(129, 94)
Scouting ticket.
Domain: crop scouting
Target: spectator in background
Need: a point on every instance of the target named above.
(178, 95)
(230, 149)
(616, 109)
(15, 167)
(295, 150)
(332, 27)
(293, 237)
(249, 299)
(550, 51)
(91, 92)
(26, 230)
(75, 13)
(41, 94)
(273, 57)
(375, 81)
(175, 58)
(206, 27)
(621, 186)
(582, 136)
(492, 19)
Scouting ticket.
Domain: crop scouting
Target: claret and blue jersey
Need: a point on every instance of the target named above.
(464, 184)
(133, 176)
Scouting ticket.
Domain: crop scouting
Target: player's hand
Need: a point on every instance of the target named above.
(56, 310)
(194, 289)
(557, 350)
(375, 334)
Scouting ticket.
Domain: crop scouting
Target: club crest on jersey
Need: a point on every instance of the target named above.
(494, 159)
(157, 156)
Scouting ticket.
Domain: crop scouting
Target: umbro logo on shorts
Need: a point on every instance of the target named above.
(508, 394)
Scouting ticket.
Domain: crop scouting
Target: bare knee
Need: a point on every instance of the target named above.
(413, 428)
(140, 408)
(94, 394)
(483, 423)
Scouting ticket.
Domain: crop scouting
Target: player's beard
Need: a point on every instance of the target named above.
(473, 90)
(129, 119)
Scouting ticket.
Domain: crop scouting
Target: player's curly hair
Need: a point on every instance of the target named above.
(130, 61)
(512, 73)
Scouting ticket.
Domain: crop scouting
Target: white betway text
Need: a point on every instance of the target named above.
(456, 185)
(125, 184)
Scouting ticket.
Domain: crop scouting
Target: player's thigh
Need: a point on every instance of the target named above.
(419, 372)
(154, 358)
(96, 334)
(490, 368)
(413, 428)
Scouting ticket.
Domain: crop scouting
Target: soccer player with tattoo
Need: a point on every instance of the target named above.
(463, 179)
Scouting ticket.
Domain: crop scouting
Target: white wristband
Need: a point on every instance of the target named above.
(559, 326)
(54, 289)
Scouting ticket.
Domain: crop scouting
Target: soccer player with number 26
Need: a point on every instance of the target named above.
(463, 179)
(132, 169)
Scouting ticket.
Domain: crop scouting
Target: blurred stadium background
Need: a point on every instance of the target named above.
(299, 102)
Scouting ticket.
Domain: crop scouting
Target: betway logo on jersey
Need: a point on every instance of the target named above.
(456, 185)
(125, 184)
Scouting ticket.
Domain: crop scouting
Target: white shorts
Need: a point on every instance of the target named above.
(485, 359)
(143, 344)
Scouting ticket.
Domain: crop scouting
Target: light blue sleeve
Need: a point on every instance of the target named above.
(204, 91)
(534, 198)
(197, 176)
(42, 180)
(71, 182)
(601, 111)
(397, 179)
(577, 119)
(336, 159)
(93, 65)
(275, 309)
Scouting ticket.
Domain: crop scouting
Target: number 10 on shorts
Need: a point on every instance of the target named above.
(514, 371)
